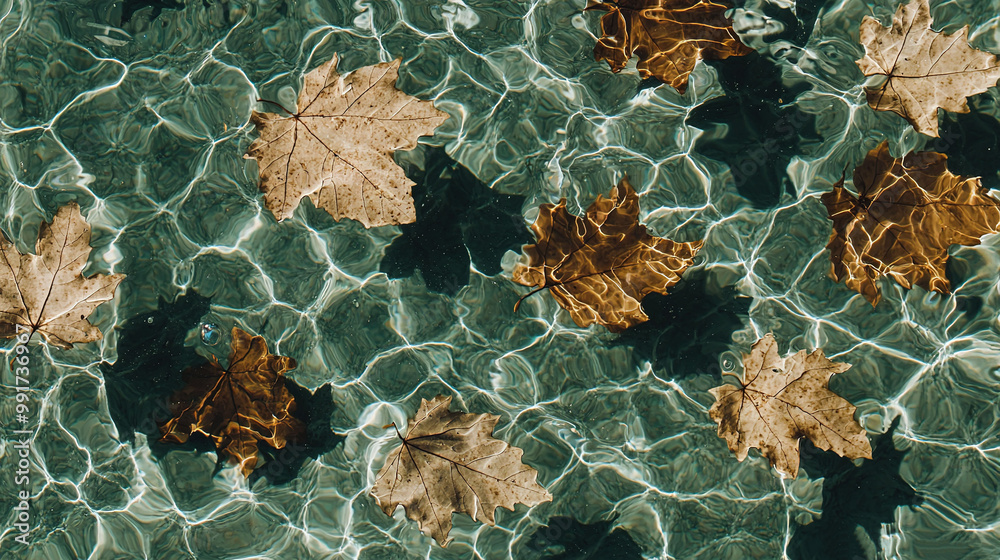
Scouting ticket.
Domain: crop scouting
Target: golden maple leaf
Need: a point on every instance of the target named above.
(782, 400)
(924, 69)
(237, 406)
(668, 36)
(46, 292)
(449, 462)
(907, 214)
(599, 267)
(337, 148)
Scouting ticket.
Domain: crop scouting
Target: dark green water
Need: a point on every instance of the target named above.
(139, 111)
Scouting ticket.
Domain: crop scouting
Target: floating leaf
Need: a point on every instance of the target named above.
(908, 212)
(238, 406)
(782, 400)
(924, 69)
(337, 148)
(46, 292)
(668, 36)
(599, 267)
(450, 462)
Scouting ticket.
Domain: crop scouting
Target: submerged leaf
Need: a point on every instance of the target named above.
(924, 69)
(450, 462)
(782, 400)
(599, 267)
(668, 36)
(238, 406)
(46, 292)
(907, 213)
(337, 149)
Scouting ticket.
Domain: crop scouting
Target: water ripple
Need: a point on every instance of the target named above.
(145, 124)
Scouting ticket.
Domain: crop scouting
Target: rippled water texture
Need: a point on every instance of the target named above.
(145, 122)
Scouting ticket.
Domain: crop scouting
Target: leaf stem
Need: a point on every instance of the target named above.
(527, 295)
(737, 376)
(397, 430)
(259, 100)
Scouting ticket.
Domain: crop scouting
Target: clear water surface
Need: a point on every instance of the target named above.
(139, 111)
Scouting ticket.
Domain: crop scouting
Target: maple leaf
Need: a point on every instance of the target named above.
(337, 148)
(238, 406)
(46, 292)
(782, 400)
(924, 69)
(599, 267)
(450, 462)
(668, 36)
(907, 213)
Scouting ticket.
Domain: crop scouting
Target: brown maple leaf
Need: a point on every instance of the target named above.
(599, 267)
(449, 462)
(46, 292)
(238, 406)
(668, 36)
(924, 69)
(907, 213)
(337, 147)
(782, 400)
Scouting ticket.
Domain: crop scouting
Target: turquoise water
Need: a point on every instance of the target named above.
(140, 113)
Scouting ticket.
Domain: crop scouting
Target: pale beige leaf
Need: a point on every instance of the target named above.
(924, 69)
(449, 462)
(337, 147)
(46, 292)
(783, 400)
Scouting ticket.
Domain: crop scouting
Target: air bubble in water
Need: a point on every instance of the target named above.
(210, 334)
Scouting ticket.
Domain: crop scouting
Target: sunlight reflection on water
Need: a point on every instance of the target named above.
(145, 124)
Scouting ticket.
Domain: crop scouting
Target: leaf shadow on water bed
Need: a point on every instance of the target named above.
(130, 7)
(971, 140)
(689, 327)
(565, 538)
(972, 317)
(459, 220)
(151, 357)
(865, 497)
(796, 26)
(749, 130)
